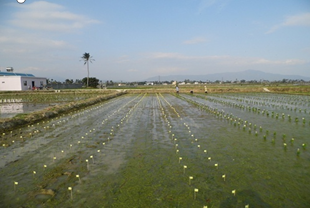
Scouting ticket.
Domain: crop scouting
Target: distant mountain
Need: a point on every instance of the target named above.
(231, 76)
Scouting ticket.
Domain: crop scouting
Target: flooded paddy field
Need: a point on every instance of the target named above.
(12, 104)
(163, 150)
(9, 110)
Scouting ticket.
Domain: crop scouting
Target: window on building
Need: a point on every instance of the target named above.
(41, 83)
(25, 83)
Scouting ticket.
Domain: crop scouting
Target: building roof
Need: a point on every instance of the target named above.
(15, 74)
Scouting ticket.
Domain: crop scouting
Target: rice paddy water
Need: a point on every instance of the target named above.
(163, 150)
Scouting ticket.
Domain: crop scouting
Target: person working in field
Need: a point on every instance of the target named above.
(177, 89)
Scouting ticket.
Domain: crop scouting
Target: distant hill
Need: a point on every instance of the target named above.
(231, 76)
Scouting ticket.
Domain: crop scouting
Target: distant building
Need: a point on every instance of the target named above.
(10, 81)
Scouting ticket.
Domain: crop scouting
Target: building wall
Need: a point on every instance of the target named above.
(17, 83)
(10, 83)
(26, 82)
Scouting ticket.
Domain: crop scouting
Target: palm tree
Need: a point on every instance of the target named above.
(87, 58)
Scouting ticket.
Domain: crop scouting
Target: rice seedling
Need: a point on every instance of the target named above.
(78, 176)
(87, 164)
(216, 165)
(15, 185)
(190, 178)
(233, 192)
(184, 168)
(215, 123)
(92, 157)
(195, 193)
(71, 195)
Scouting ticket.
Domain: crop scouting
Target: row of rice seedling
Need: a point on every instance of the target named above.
(274, 100)
(157, 151)
(63, 150)
(250, 123)
(296, 146)
(285, 114)
(188, 163)
(261, 105)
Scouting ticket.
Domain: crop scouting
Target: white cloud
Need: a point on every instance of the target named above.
(169, 70)
(195, 40)
(34, 29)
(47, 16)
(179, 56)
(223, 60)
(204, 4)
(281, 62)
(161, 55)
(296, 20)
(163, 63)
(13, 43)
(123, 59)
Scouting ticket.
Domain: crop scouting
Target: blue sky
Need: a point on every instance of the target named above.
(137, 39)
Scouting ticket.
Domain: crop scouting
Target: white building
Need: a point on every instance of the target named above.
(10, 81)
